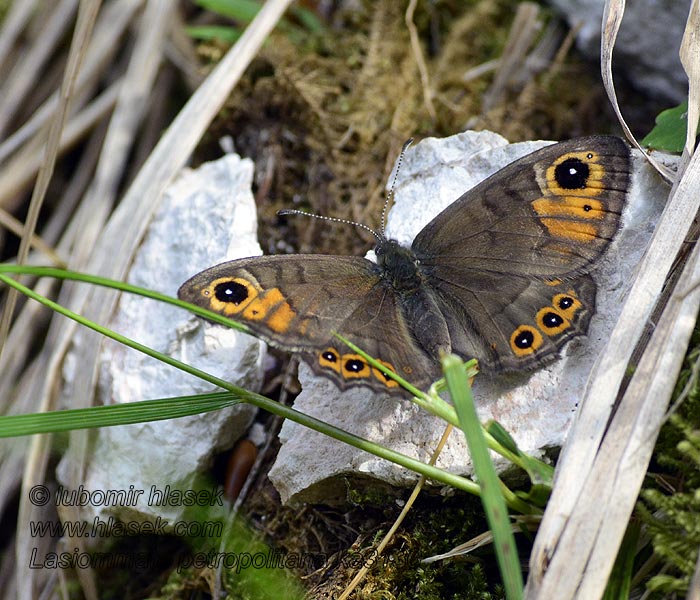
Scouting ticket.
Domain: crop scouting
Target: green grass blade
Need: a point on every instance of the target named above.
(238, 10)
(491, 487)
(620, 582)
(113, 414)
(214, 32)
(116, 285)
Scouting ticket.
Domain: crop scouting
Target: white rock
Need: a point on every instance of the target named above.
(535, 408)
(646, 50)
(207, 216)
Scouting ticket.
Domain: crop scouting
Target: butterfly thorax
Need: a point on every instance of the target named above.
(401, 268)
(399, 265)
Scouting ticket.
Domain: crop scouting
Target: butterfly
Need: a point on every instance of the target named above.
(501, 275)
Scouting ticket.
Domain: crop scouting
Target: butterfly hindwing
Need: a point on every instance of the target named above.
(525, 332)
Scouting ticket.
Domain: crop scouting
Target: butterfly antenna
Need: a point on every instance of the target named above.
(390, 195)
(293, 211)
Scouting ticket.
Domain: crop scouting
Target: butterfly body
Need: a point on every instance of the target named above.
(500, 275)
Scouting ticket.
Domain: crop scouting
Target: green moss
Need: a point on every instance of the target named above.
(434, 526)
(670, 504)
(245, 568)
(673, 520)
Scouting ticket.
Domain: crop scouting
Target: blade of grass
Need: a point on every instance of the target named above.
(114, 414)
(620, 582)
(539, 472)
(491, 496)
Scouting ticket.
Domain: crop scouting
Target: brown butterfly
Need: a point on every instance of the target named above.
(500, 275)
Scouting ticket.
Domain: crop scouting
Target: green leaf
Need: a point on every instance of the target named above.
(501, 435)
(308, 19)
(243, 12)
(670, 129)
(541, 474)
(113, 414)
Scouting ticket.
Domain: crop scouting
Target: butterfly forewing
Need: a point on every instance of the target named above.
(549, 214)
